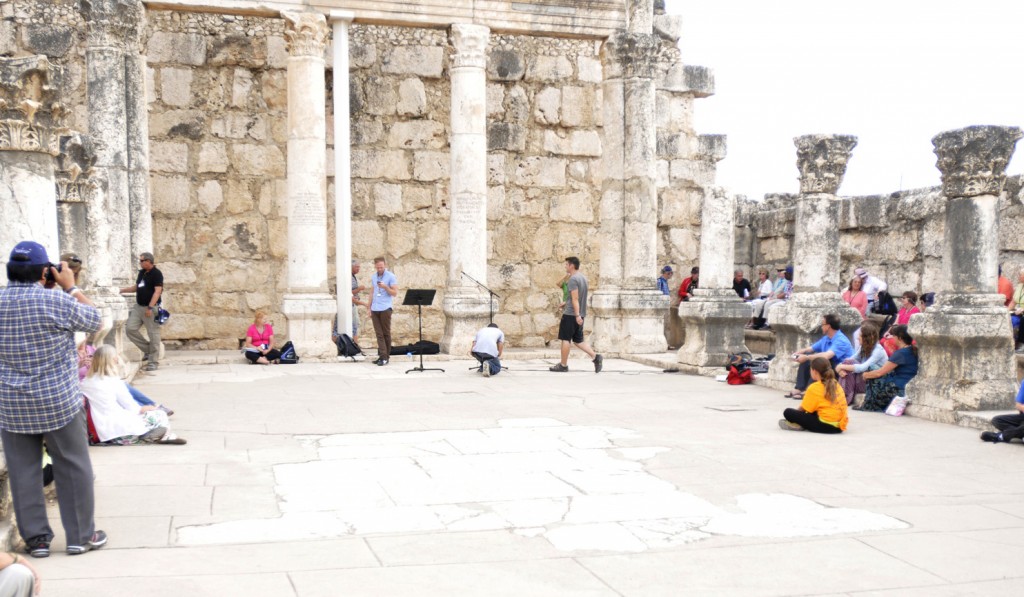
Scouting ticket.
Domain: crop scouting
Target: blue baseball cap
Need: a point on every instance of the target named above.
(667, 269)
(29, 252)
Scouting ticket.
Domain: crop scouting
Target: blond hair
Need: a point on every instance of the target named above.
(257, 316)
(104, 362)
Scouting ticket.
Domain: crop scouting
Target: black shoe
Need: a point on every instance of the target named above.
(559, 368)
(382, 362)
(38, 547)
(377, 361)
(98, 540)
(991, 436)
(598, 363)
(166, 410)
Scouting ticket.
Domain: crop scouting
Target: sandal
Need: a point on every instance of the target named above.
(172, 439)
(794, 395)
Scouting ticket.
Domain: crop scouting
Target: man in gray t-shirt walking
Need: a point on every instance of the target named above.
(571, 327)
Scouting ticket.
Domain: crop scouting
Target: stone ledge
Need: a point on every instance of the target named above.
(977, 419)
(216, 357)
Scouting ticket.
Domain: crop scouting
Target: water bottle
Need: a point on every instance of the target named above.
(410, 356)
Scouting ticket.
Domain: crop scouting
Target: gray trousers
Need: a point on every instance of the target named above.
(72, 471)
(136, 319)
(17, 581)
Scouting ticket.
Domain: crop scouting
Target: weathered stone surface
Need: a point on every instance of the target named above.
(548, 106)
(239, 197)
(578, 106)
(241, 87)
(495, 99)
(250, 52)
(210, 196)
(237, 125)
(168, 157)
(505, 65)
(170, 194)
(257, 160)
(548, 68)
(176, 86)
(822, 160)
(517, 105)
(432, 240)
(367, 132)
(505, 136)
(669, 27)
(540, 172)
(380, 95)
(417, 134)
(387, 199)
(362, 55)
(973, 160)
(574, 207)
(412, 97)
(429, 166)
(373, 163)
(8, 38)
(176, 48)
(422, 61)
(213, 157)
(590, 70)
(367, 238)
(51, 39)
(401, 237)
(580, 143)
(416, 198)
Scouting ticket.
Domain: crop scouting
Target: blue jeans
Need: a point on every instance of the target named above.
(139, 396)
(491, 362)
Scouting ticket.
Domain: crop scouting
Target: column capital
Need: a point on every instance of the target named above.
(470, 45)
(822, 160)
(973, 160)
(630, 55)
(306, 33)
(113, 23)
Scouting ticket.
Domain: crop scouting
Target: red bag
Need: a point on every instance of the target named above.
(736, 377)
(94, 437)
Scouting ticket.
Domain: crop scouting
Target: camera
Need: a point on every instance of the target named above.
(49, 272)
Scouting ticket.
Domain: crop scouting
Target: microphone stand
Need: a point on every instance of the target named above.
(490, 300)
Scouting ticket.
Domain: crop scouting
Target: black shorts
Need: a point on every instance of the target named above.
(569, 330)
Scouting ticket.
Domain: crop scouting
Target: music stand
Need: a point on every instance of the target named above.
(420, 297)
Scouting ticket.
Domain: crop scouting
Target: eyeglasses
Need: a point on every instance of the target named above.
(143, 260)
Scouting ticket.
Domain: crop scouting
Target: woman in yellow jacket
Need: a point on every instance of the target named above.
(823, 409)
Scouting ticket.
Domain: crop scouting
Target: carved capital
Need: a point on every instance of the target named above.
(113, 23)
(306, 33)
(822, 161)
(469, 43)
(19, 135)
(630, 55)
(29, 90)
(973, 160)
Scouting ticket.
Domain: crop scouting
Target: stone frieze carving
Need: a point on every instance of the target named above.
(973, 160)
(822, 160)
(631, 55)
(306, 33)
(470, 45)
(19, 135)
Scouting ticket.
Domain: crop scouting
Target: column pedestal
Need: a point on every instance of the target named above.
(797, 324)
(713, 320)
(466, 310)
(628, 320)
(309, 325)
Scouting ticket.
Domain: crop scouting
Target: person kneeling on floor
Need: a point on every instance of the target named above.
(823, 409)
(118, 419)
(1009, 426)
(487, 347)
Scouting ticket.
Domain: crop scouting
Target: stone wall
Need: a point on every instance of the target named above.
(897, 237)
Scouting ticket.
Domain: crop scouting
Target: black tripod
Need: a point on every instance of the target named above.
(490, 300)
(419, 298)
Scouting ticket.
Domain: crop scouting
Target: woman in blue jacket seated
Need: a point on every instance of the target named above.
(891, 379)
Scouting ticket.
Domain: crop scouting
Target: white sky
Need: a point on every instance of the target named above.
(894, 73)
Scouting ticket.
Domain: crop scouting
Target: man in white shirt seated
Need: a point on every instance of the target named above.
(487, 347)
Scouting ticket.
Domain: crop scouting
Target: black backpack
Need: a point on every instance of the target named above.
(347, 347)
(885, 305)
(288, 354)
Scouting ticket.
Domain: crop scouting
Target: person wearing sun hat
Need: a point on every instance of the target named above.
(40, 398)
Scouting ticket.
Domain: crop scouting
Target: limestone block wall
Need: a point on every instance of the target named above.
(897, 237)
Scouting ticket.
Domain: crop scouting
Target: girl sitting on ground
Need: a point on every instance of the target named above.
(869, 357)
(891, 379)
(823, 408)
(118, 419)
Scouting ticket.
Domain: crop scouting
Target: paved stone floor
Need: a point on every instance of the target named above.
(350, 479)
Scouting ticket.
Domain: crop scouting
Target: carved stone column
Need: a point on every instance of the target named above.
(29, 144)
(307, 303)
(340, 21)
(140, 208)
(628, 309)
(111, 24)
(714, 316)
(964, 341)
(797, 323)
(466, 305)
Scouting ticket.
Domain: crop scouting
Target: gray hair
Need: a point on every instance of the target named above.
(355, 262)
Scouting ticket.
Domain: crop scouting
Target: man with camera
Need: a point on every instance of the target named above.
(149, 285)
(40, 399)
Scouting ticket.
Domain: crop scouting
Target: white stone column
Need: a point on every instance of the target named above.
(629, 310)
(822, 162)
(965, 342)
(340, 21)
(139, 205)
(714, 316)
(307, 303)
(465, 304)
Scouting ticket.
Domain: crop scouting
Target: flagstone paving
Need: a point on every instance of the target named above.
(352, 479)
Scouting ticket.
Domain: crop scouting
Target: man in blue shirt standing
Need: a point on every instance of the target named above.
(40, 398)
(385, 288)
(834, 346)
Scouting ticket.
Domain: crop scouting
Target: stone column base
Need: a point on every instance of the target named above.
(628, 321)
(114, 309)
(466, 310)
(309, 325)
(965, 350)
(713, 320)
(797, 325)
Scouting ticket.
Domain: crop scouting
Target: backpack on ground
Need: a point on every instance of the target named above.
(884, 304)
(288, 354)
(347, 347)
(739, 368)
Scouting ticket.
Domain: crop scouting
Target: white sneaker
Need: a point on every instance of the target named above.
(359, 357)
(487, 370)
